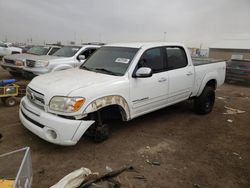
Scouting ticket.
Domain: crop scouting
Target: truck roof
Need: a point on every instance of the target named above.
(144, 44)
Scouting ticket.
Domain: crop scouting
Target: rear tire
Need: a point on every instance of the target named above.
(205, 102)
(10, 101)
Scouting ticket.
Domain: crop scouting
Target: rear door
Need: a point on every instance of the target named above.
(181, 74)
(148, 94)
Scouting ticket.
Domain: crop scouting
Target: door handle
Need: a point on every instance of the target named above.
(189, 74)
(162, 80)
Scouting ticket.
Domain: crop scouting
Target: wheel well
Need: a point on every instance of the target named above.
(113, 112)
(212, 83)
(107, 113)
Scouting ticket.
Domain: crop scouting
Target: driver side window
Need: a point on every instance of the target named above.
(153, 59)
(88, 52)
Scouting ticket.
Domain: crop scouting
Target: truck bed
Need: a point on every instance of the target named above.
(204, 61)
(210, 67)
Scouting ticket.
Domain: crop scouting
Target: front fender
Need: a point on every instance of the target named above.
(107, 101)
(61, 67)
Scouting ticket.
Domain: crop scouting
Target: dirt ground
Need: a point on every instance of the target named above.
(193, 150)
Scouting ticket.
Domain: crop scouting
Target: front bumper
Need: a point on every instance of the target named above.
(46, 125)
(12, 68)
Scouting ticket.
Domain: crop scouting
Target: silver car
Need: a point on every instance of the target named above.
(15, 63)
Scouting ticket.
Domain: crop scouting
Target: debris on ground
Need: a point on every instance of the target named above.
(107, 176)
(74, 179)
(233, 111)
(230, 121)
(140, 177)
(109, 169)
(156, 163)
(1, 137)
(221, 98)
(83, 177)
(238, 155)
(197, 186)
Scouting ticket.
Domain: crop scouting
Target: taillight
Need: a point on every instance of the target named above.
(248, 70)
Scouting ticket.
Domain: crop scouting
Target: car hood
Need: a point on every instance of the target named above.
(62, 83)
(44, 58)
(21, 57)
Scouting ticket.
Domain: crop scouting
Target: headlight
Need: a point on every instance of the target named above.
(66, 104)
(41, 63)
(19, 63)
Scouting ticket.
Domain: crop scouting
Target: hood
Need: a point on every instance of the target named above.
(64, 82)
(21, 57)
(43, 58)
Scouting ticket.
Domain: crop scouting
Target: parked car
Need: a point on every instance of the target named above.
(238, 70)
(65, 58)
(15, 63)
(118, 81)
(7, 49)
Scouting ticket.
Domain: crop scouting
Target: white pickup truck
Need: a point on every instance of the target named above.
(65, 58)
(118, 81)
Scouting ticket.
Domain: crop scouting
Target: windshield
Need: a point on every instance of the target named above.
(67, 51)
(110, 60)
(39, 50)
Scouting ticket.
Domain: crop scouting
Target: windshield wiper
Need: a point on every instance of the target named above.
(107, 71)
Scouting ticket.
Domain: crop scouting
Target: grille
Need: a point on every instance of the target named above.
(35, 97)
(9, 61)
(30, 63)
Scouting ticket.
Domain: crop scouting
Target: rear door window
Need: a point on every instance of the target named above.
(176, 58)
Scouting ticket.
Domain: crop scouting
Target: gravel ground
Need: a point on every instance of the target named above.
(193, 150)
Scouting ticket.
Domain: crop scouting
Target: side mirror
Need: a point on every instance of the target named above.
(144, 72)
(81, 57)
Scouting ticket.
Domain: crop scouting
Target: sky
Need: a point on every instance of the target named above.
(192, 22)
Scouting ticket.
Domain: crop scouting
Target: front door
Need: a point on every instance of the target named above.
(149, 94)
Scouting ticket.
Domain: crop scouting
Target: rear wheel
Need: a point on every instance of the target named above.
(10, 101)
(205, 102)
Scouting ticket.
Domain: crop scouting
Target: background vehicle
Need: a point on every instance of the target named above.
(65, 58)
(15, 63)
(118, 81)
(7, 49)
(238, 70)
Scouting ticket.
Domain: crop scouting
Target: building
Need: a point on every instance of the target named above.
(196, 52)
(230, 49)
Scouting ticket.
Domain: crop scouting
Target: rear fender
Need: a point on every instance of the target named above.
(206, 79)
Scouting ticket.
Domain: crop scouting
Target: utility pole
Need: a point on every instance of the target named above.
(165, 33)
